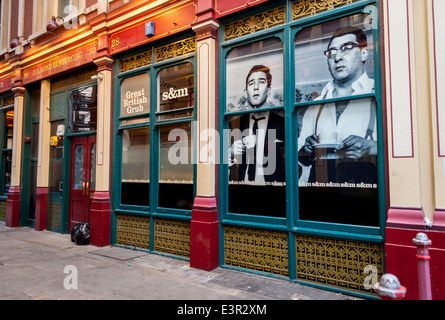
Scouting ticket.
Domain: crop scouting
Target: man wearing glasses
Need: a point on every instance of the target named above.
(345, 129)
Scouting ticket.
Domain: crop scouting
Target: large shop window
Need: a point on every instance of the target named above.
(7, 121)
(337, 136)
(176, 100)
(302, 114)
(155, 127)
(254, 96)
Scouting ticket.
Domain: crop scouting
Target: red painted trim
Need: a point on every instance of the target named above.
(439, 220)
(406, 218)
(13, 207)
(225, 7)
(100, 219)
(204, 234)
(41, 208)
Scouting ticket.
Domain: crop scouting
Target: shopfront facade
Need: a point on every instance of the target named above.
(297, 139)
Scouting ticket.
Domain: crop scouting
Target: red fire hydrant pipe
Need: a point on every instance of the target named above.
(423, 265)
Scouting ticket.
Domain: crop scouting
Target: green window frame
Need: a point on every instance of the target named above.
(287, 32)
(148, 124)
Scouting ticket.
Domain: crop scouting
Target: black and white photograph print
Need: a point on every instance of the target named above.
(337, 141)
(240, 61)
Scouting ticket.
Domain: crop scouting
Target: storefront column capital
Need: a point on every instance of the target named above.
(206, 29)
(104, 63)
(19, 91)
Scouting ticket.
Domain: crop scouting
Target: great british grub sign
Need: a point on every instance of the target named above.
(135, 95)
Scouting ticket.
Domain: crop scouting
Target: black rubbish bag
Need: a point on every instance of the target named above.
(80, 234)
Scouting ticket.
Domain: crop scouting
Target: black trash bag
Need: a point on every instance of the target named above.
(80, 234)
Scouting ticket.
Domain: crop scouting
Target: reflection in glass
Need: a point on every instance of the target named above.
(78, 167)
(176, 166)
(93, 167)
(135, 166)
(176, 87)
(83, 109)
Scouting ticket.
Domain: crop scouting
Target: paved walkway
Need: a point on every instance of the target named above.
(46, 265)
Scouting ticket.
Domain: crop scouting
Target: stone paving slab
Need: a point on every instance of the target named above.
(33, 267)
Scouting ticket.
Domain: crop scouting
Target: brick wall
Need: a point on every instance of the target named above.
(14, 19)
(27, 28)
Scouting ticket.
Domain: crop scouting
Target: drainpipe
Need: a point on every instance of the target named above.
(423, 265)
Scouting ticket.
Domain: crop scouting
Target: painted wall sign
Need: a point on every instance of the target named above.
(135, 95)
(60, 63)
(6, 83)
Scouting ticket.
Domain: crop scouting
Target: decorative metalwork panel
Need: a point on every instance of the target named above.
(172, 236)
(2, 210)
(133, 231)
(302, 8)
(255, 23)
(73, 78)
(346, 264)
(136, 61)
(176, 49)
(256, 249)
(9, 101)
(54, 215)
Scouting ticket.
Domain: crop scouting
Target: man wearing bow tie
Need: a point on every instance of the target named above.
(257, 155)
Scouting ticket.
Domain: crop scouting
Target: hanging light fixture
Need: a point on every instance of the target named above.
(52, 24)
(16, 42)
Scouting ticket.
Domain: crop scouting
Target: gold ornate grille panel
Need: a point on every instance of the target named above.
(136, 61)
(133, 231)
(73, 78)
(176, 49)
(338, 263)
(255, 23)
(172, 237)
(303, 8)
(255, 249)
(54, 215)
(2, 210)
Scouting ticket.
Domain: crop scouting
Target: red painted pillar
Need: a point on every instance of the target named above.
(401, 227)
(204, 234)
(204, 227)
(13, 207)
(100, 219)
(41, 208)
